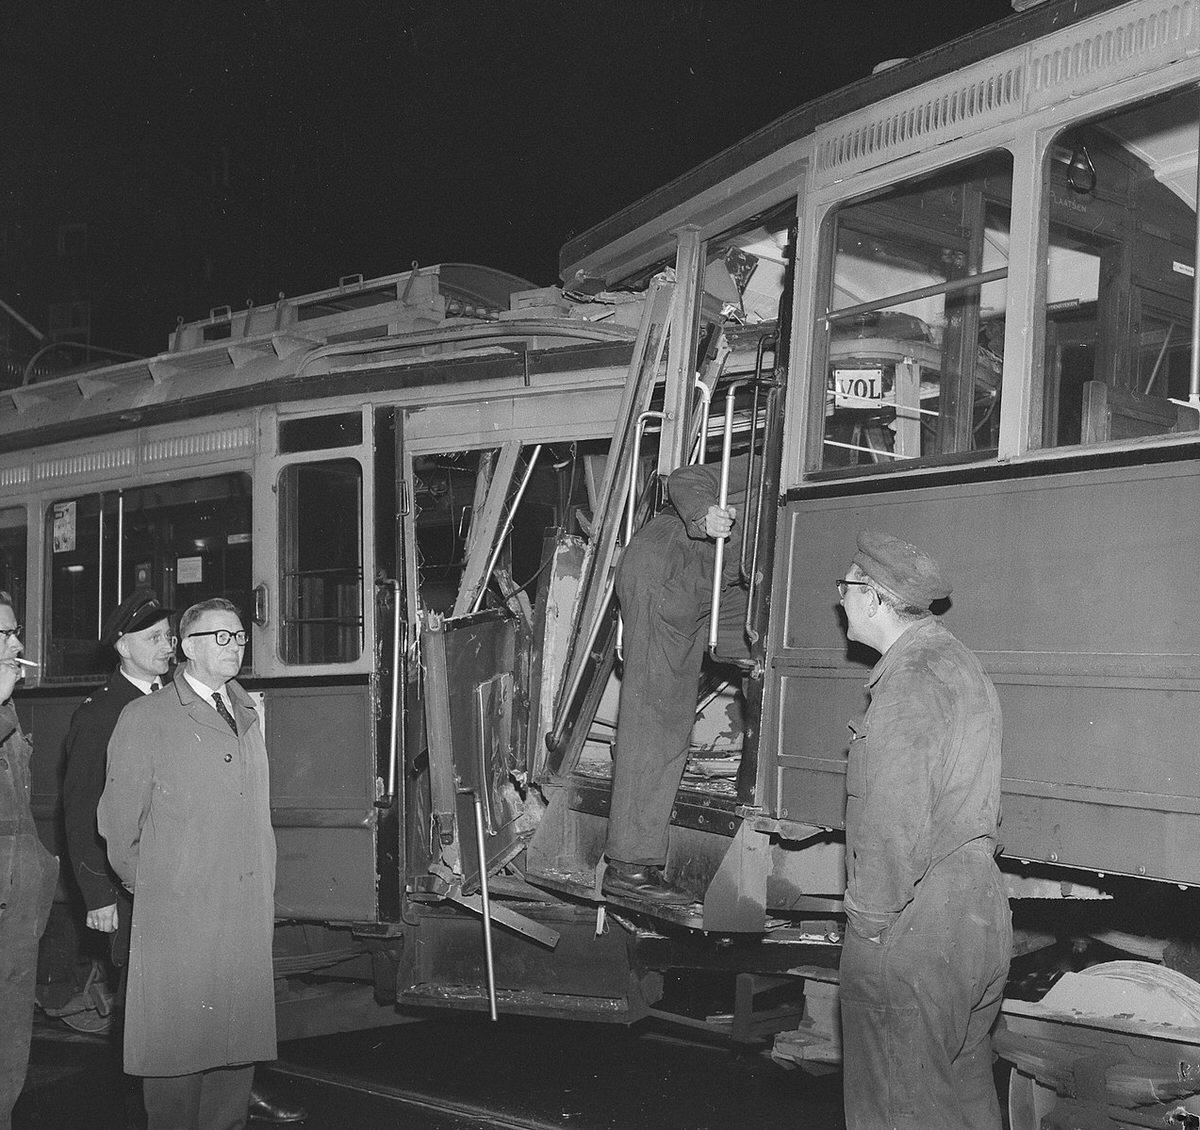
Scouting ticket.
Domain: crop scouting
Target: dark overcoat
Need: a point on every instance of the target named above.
(186, 815)
(86, 752)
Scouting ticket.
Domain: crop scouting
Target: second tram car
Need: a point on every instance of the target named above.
(956, 301)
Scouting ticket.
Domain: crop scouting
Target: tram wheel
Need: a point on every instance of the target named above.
(1162, 995)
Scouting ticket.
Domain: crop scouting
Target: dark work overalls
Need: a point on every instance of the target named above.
(664, 585)
(929, 934)
(28, 875)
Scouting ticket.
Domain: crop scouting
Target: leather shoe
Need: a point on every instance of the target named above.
(643, 882)
(266, 1108)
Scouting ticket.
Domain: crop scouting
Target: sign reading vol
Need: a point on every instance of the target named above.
(859, 388)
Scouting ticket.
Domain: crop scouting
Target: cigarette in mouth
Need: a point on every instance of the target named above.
(25, 662)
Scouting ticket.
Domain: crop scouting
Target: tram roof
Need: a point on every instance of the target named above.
(691, 188)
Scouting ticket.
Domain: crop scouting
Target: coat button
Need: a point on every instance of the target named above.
(228, 758)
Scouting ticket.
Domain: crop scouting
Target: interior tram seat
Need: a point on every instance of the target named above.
(1117, 413)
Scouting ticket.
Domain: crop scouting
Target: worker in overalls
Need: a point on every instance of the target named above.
(664, 585)
(929, 933)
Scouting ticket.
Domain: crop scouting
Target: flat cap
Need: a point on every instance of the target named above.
(138, 610)
(901, 568)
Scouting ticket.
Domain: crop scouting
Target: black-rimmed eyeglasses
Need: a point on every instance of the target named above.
(10, 633)
(843, 585)
(223, 637)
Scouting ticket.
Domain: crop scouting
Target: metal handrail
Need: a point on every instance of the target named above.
(398, 626)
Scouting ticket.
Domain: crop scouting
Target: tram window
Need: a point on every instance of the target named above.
(13, 543)
(319, 433)
(321, 562)
(444, 489)
(450, 486)
(915, 328)
(188, 540)
(1121, 204)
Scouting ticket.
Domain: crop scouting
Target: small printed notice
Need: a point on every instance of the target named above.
(1183, 269)
(64, 527)
(238, 539)
(189, 570)
(858, 388)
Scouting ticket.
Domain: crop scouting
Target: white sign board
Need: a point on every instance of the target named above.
(858, 388)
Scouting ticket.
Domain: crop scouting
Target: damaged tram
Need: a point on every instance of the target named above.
(955, 301)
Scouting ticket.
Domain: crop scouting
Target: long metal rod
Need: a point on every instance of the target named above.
(120, 543)
(397, 624)
(950, 287)
(100, 575)
(504, 532)
(485, 900)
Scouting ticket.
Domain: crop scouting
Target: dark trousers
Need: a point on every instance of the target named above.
(918, 1008)
(205, 1100)
(664, 585)
(22, 921)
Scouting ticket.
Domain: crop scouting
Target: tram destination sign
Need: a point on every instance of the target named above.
(859, 388)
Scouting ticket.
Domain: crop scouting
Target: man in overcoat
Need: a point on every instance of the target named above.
(664, 586)
(185, 812)
(28, 876)
(928, 937)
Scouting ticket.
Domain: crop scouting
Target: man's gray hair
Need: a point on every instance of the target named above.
(214, 604)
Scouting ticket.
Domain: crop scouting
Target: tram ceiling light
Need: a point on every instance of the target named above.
(1081, 173)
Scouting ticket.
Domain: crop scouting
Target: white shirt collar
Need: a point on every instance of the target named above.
(206, 692)
(141, 684)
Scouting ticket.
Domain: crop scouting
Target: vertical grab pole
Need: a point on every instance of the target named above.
(120, 542)
(722, 500)
(397, 629)
(485, 905)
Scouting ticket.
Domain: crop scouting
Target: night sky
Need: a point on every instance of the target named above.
(222, 152)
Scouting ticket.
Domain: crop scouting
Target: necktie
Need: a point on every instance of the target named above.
(155, 686)
(223, 710)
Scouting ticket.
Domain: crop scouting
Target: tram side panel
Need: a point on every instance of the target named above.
(1074, 588)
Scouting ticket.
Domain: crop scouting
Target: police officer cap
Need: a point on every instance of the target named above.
(901, 568)
(138, 610)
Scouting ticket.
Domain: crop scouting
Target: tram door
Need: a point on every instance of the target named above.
(486, 506)
(314, 615)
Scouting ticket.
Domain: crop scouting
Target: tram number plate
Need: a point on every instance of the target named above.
(858, 388)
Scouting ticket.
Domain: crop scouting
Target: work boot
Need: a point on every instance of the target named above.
(642, 881)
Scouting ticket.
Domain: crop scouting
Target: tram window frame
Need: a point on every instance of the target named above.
(168, 535)
(304, 639)
(971, 342)
(1101, 192)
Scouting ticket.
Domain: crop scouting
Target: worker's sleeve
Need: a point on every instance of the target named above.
(126, 797)
(910, 722)
(83, 782)
(693, 489)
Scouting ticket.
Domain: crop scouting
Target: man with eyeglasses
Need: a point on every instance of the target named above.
(186, 814)
(928, 938)
(28, 875)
